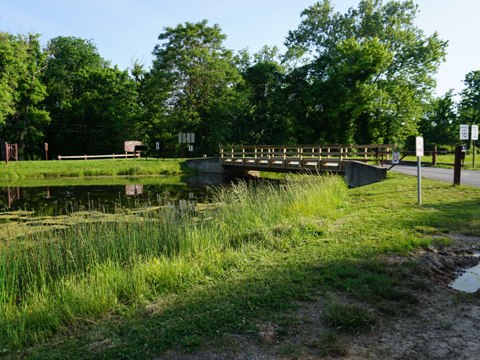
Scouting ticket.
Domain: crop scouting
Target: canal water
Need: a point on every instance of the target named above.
(56, 199)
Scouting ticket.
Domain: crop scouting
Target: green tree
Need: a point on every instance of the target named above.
(469, 108)
(440, 123)
(94, 107)
(191, 87)
(21, 92)
(265, 119)
(368, 73)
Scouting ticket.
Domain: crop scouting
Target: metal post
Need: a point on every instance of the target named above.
(419, 180)
(473, 155)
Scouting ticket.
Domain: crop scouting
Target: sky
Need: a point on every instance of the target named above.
(127, 30)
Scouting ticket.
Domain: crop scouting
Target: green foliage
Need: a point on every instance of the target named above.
(349, 317)
(180, 302)
(16, 172)
(361, 77)
(370, 71)
(22, 118)
(265, 118)
(94, 107)
(191, 87)
(59, 278)
(469, 107)
(440, 123)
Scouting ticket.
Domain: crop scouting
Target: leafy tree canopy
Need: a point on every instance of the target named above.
(470, 99)
(191, 87)
(368, 74)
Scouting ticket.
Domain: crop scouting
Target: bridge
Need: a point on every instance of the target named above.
(294, 158)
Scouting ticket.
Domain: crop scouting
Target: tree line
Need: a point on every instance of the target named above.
(365, 76)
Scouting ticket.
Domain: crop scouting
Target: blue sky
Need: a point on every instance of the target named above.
(127, 30)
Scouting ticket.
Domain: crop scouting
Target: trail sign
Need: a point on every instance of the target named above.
(419, 151)
(396, 158)
(464, 132)
(475, 132)
(419, 146)
(186, 138)
(129, 146)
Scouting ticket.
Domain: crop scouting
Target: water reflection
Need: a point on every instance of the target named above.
(54, 200)
(132, 190)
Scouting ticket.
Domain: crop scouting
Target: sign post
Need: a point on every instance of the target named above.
(474, 140)
(187, 138)
(419, 152)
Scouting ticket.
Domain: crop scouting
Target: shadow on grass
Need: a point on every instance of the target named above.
(235, 306)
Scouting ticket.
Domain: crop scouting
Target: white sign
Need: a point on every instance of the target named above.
(157, 145)
(464, 132)
(396, 158)
(419, 146)
(186, 138)
(475, 132)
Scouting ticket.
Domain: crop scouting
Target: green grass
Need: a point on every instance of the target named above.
(349, 317)
(20, 170)
(448, 160)
(136, 289)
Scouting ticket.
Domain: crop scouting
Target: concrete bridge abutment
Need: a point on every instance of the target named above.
(356, 173)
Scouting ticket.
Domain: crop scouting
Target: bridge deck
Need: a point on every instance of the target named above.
(326, 158)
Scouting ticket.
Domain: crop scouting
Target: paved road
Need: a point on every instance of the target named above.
(468, 177)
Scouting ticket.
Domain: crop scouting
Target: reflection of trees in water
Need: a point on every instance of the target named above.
(60, 200)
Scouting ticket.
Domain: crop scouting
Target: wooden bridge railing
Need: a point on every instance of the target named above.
(308, 152)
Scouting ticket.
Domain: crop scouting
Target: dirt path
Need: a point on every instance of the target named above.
(444, 324)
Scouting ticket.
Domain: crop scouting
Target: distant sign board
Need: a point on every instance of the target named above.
(475, 132)
(396, 158)
(129, 146)
(464, 130)
(419, 146)
(186, 138)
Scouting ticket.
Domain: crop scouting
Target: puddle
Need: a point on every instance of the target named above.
(469, 281)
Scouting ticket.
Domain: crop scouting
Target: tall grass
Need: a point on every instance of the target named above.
(18, 170)
(70, 277)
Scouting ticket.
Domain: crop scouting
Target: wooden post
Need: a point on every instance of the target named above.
(434, 155)
(7, 155)
(457, 169)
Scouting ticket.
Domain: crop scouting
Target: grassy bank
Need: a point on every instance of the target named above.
(72, 276)
(141, 288)
(19, 170)
(448, 160)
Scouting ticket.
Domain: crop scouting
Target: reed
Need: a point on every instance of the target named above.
(69, 277)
